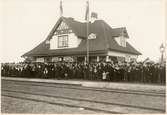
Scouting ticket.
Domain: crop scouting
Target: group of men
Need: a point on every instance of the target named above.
(106, 71)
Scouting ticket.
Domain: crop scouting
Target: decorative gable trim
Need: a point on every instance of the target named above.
(62, 19)
(62, 26)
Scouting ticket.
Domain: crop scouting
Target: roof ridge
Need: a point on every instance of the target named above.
(119, 27)
(73, 19)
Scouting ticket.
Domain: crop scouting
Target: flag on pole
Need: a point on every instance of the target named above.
(87, 11)
(61, 8)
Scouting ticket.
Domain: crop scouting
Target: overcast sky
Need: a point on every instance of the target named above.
(25, 23)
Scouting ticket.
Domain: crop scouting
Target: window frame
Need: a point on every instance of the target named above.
(62, 43)
(92, 36)
(123, 41)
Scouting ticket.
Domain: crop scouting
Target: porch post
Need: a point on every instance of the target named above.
(107, 58)
(85, 59)
(97, 58)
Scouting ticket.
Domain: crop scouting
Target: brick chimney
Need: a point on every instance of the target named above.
(94, 16)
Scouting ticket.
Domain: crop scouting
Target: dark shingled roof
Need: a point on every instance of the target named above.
(104, 40)
(120, 31)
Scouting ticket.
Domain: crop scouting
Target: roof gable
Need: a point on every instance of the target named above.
(62, 26)
(119, 32)
(104, 38)
(78, 28)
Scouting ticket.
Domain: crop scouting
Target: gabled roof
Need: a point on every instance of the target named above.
(78, 28)
(104, 39)
(119, 32)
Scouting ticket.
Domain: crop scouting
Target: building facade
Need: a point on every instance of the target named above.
(67, 41)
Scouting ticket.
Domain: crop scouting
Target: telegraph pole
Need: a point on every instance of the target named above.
(162, 49)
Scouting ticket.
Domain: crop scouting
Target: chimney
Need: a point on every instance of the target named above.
(94, 16)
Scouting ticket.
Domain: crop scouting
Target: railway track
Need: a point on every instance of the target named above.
(22, 90)
(69, 86)
(62, 104)
(24, 95)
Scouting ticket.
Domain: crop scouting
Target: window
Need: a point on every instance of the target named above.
(123, 41)
(40, 60)
(55, 59)
(92, 36)
(62, 41)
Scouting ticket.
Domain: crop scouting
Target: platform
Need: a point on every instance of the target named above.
(97, 84)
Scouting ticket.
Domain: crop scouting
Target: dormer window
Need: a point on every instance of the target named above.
(92, 36)
(121, 41)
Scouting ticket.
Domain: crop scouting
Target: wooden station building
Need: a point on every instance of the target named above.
(67, 41)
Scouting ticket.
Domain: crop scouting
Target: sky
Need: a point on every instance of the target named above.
(26, 23)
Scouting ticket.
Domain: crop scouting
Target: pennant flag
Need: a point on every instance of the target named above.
(61, 8)
(87, 11)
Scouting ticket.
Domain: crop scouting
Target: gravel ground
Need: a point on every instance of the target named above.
(120, 98)
(84, 104)
(13, 105)
(130, 99)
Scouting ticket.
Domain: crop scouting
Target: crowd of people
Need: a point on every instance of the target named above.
(106, 71)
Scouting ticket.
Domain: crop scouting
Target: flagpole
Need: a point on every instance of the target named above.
(61, 9)
(87, 33)
(87, 41)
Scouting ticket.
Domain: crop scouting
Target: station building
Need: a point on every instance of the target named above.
(67, 41)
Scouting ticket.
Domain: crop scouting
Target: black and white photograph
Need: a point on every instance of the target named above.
(83, 57)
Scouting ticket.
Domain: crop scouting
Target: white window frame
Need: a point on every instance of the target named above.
(63, 41)
(123, 41)
(92, 36)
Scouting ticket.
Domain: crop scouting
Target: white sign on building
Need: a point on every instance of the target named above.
(40, 60)
(68, 59)
(55, 59)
